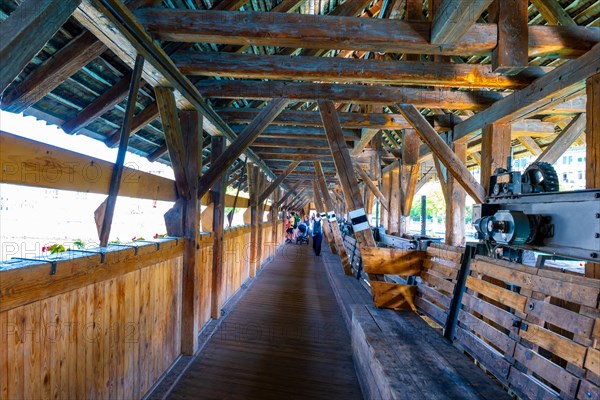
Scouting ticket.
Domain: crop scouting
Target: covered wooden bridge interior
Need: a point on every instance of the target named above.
(307, 105)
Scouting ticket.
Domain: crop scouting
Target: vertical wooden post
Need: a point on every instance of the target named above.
(328, 203)
(592, 157)
(510, 55)
(253, 191)
(410, 170)
(455, 206)
(191, 127)
(260, 216)
(495, 148)
(275, 217)
(385, 189)
(394, 211)
(217, 195)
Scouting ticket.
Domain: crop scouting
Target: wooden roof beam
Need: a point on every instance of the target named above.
(25, 32)
(350, 93)
(115, 25)
(349, 120)
(553, 12)
(563, 83)
(454, 18)
(278, 181)
(58, 68)
(564, 140)
(295, 132)
(335, 69)
(348, 33)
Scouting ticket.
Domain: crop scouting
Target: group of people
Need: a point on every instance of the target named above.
(295, 225)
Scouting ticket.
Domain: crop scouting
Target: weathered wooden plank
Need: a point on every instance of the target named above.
(335, 69)
(553, 12)
(393, 295)
(445, 252)
(455, 166)
(559, 345)
(482, 352)
(63, 64)
(548, 370)
(552, 88)
(439, 268)
(334, 32)
(431, 310)
(506, 297)
(437, 282)
(528, 387)
(592, 159)
(456, 207)
(372, 94)
(241, 143)
(560, 317)
(487, 332)
(530, 144)
(527, 278)
(434, 296)
(217, 194)
(24, 36)
(377, 260)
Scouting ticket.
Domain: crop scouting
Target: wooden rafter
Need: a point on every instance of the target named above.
(332, 32)
(454, 18)
(278, 181)
(23, 36)
(564, 140)
(372, 187)
(240, 144)
(350, 93)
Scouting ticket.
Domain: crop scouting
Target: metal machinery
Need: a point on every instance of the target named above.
(525, 211)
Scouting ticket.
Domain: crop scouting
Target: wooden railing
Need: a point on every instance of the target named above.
(107, 325)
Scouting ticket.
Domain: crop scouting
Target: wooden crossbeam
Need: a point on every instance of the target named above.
(349, 120)
(343, 165)
(530, 144)
(335, 229)
(278, 181)
(107, 100)
(367, 135)
(564, 140)
(455, 166)
(173, 137)
(294, 132)
(564, 82)
(349, 93)
(454, 18)
(143, 118)
(24, 35)
(335, 69)
(333, 32)
(372, 187)
(58, 68)
(107, 209)
(240, 144)
(115, 25)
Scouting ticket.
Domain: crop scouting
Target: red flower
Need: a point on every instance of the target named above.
(133, 238)
(44, 249)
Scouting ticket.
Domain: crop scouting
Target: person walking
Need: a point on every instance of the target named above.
(317, 234)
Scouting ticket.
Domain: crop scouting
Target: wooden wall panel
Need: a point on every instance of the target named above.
(112, 338)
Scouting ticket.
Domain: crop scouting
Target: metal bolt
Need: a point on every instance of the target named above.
(597, 215)
(589, 394)
(597, 235)
(531, 306)
(594, 255)
(597, 195)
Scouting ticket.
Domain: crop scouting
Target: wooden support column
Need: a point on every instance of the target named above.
(510, 55)
(217, 196)
(454, 18)
(275, 184)
(104, 213)
(455, 207)
(592, 169)
(191, 127)
(324, 224)
(328, 203)
(260, 213)
(25, 32)
(395, 202)
(372, 186)
(495, 148)
(275, 216)
(410, 175)
(253, 191)
(455, 166)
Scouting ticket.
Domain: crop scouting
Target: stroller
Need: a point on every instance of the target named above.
(302, 236)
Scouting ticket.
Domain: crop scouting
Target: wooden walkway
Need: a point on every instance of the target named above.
(286, 339)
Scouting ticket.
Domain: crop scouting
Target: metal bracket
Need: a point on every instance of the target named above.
(102, 254)
(520, 325)
(147, 241)
(459, 289)
(51, 262)
(135, 248)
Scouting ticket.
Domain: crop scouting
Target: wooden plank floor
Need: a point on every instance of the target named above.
(286, 339)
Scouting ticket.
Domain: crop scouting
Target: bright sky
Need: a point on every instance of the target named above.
(31, 218)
